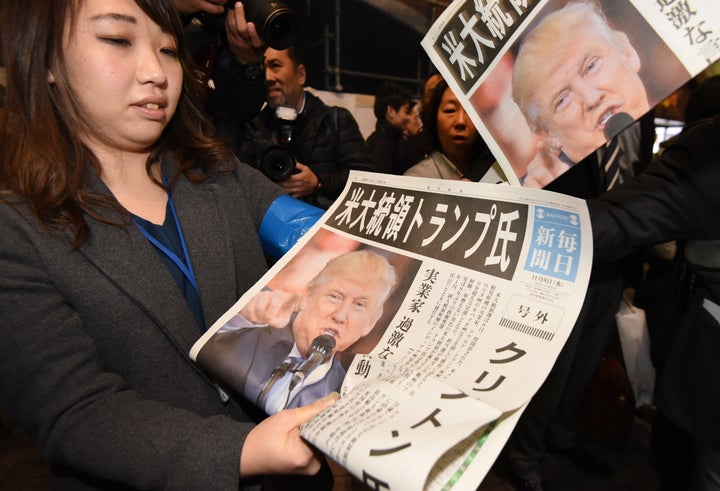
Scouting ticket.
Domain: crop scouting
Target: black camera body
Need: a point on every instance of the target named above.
(276, 23)
(278, 161)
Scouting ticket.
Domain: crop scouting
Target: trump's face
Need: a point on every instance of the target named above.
(346, 307)
(581, 85)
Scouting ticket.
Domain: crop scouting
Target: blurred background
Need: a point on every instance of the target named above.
(356, 45)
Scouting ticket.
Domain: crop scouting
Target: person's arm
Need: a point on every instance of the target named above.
(675, 198)
(83, 416)
(62, 383)
(283, 219)
(238, 76)
(55, 384)
(280, 435)
(231, 64)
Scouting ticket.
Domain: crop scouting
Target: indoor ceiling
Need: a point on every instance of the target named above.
(416, 14)
(356, 45)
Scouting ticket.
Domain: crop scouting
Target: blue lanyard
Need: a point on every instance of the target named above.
(184, 266)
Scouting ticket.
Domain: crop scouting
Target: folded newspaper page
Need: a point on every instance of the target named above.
(547, 82)
(436, 308)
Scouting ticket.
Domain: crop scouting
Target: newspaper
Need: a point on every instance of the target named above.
(572, 85)
(490, 279)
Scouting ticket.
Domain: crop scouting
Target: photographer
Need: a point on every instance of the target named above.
(326, 142)
(229, 52)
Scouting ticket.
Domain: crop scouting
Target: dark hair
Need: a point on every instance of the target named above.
(42, 158)
(393, 95)
(429, 116)
(293, 52)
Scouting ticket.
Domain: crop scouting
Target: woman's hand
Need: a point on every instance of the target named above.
(275, 446)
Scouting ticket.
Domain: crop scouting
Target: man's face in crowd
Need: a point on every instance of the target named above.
(400, 117)
(581, 85)
(346, 307)
(283, 79)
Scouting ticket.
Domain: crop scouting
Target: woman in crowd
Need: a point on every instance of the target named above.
(454, 147)
(127, 230)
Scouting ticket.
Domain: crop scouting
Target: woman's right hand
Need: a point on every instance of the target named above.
(275, 447)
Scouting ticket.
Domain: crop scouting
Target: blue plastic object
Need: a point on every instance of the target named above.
(286, 220)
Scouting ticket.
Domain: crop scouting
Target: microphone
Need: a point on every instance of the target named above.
(319, 353)
(617, 123)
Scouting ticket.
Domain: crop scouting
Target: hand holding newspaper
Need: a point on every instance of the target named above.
(447, 302)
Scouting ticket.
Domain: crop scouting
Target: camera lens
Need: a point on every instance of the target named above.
(276, 23)
(280, 30)
(277, 163)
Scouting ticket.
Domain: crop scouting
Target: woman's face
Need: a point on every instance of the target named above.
(456, 132)
(125, 73)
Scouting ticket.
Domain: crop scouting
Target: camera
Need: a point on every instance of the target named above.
(278, 162)
(276, 23)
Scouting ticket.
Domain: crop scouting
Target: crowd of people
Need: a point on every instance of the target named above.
(132, 134)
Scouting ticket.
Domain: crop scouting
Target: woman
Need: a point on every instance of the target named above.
(456, 150)
(125, 233)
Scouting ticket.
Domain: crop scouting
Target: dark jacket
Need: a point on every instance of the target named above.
(677, 198)
(94, 358)
(326, 139)
(233, 99)
(387, 148)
